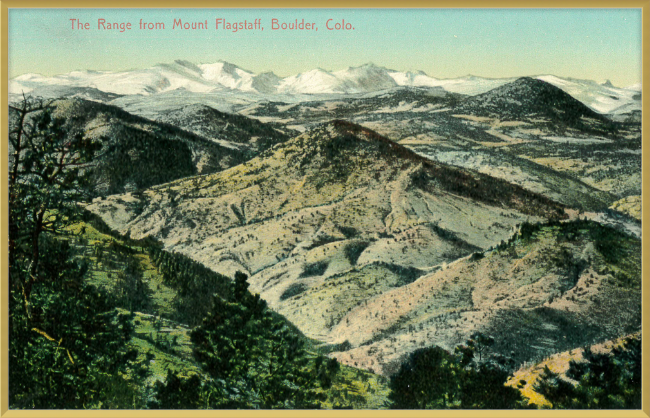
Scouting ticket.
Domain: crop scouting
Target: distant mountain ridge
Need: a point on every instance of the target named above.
(137, 152)
(222, 76)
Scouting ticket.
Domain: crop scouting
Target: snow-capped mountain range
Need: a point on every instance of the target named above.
(223, 77)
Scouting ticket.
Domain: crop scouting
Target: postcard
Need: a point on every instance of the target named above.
(363, 208)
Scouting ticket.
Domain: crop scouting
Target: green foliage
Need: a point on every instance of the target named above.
(480, 343)
(194, 283)
(477, 256)
(348, 231)
(571, 266)
(325, 369)
(132, 293)
(607, 240)
(177, 393)
(483, 387)
(141, 159)
(432, 378)
(47, 181)
(603, 381)
(73, 343)
(427, 380)
(353, 250)
(66, 340)
(262, 362)
(96, 222)
(406, 274)
(293, 290)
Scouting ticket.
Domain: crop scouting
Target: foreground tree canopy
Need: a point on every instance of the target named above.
(601, 381)
(433, 378)
(67, 343)
(252, 359)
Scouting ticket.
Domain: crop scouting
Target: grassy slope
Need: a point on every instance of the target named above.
(630, 206)
(167, 343)
(102, 273)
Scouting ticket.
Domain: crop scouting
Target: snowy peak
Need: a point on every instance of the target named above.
(635, 87)
(224, 74)
(186, 76)
(603, 98)
(470, 85)
(312, 82)
(366, 78)
(190, 66)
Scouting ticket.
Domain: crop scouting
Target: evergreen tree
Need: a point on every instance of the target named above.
(178, 393)
(72, 345)
(252, 359)
(432, 378)
(65, 339)
(133, 293)
(603, 381)
(427, 380)
(195, 284)
(45, 185)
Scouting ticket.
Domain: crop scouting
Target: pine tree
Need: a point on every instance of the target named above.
(66, 340)
(603, 381)
(432, 378)
(45, 186)
(252, 359)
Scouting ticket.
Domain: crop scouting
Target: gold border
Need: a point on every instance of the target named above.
(4, 214)
(4, 209)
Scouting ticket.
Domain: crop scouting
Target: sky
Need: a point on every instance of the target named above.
(595, 44)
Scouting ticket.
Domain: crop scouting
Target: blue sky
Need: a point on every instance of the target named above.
(594, 44)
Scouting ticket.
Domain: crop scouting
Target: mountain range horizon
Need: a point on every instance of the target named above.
(606, 82)
(185, 77)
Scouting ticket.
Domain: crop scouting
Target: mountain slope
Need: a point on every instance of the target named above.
(233, 131)
(551, 288)
(138, 153)
(585, 166)
(603, 98)
(366, 246)
(558, 363)
(337, 208)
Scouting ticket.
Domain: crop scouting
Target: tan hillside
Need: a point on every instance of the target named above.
(555, 290)
(557, 363)
(332, 220)
(630, 205)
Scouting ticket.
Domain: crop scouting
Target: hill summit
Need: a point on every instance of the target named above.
(529, 98)
(338, 148)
